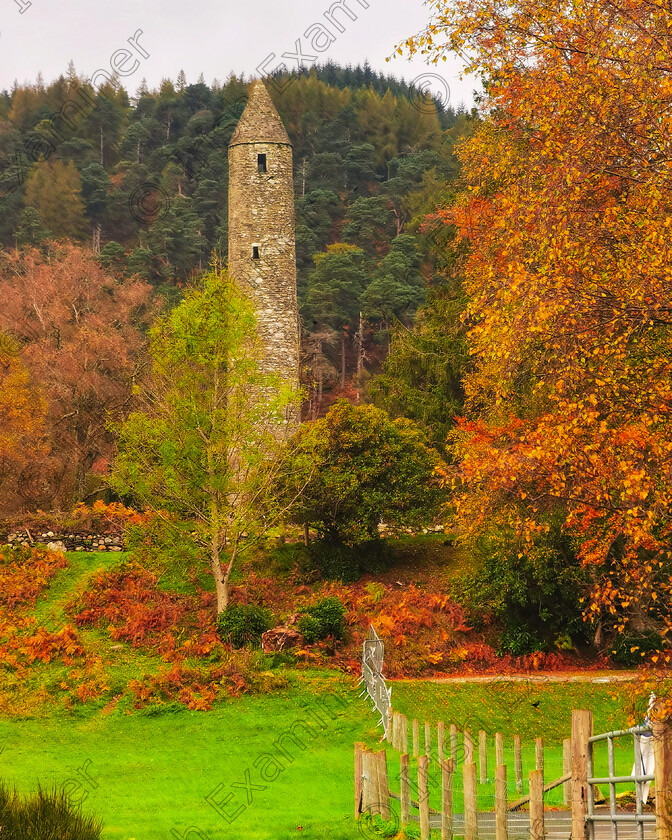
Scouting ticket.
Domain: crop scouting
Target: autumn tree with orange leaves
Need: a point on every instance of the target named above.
(567, 214)
(22, 416)
(78, 335)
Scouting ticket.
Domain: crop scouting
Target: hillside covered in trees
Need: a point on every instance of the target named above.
(111, 205)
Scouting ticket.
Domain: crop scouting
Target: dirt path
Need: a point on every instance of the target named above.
(551, 677)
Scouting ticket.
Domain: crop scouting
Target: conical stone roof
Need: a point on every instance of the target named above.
(260, 122)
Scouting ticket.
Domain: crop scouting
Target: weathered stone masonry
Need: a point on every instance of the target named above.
(262, 253)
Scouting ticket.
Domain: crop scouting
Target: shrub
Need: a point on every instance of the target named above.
(242, 624)
(45, 815)
(309, 626)
(519, 640)
(629, 650)
(323, 619)
(534, 593)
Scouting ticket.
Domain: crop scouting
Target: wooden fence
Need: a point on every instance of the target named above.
(442, 759)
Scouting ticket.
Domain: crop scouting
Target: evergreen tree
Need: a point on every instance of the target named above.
(55, 191)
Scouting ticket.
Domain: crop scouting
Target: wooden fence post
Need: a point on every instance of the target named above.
(482, 757)
(536, 805)
(428, 740)
(383, 789)
(366, 781)
(501, 829)
(374, 788)
(440, 739)
(453, 743)
(582, 729)
(470, 801)
(662, 751)
(468, 748)
(499, 749)
(539, 754)
(359, 748)
(566, 770)
(518, 763)
(447, 768)
(416, 738)
(395, 730)
(388, 728)
(405, 792)
(423, 796)
(404, 734)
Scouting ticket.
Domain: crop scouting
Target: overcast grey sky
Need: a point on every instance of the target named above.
(215, 37)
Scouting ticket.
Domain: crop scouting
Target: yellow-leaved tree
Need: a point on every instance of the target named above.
(566, 213)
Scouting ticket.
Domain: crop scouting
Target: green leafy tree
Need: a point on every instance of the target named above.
(370, 224)
(205, 444)
(398, 286)
(355, 468)
(31, 230)
(176, 238)
(422, 377)
(334, 289)
(96, 186)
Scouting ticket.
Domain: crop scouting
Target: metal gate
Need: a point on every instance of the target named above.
(639, 819)
(372, 675)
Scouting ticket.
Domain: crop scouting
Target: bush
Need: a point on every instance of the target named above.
(629, 650)
(346, 473)
(242, 624)
(533, 594)
(322, 620)
(45, 815)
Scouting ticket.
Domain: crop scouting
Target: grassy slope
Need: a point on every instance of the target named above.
(154, 772)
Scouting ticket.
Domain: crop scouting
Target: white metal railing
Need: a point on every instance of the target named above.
(639, 818)
(372, 675)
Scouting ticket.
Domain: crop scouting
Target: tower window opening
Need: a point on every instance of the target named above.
(261, 163)
(255, 252)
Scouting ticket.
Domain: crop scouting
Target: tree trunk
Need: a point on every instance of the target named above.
(318, 404)
(360, 354)
(96, 239)
(343, 361)
(221, 580)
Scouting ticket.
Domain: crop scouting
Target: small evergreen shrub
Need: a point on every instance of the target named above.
(309, 627)
(323, 619)
(242, 624)
(45, 815)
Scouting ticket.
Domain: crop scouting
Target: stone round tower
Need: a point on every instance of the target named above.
(262, 252)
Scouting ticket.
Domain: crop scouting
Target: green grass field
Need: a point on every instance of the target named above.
(273, 766)
(152, 772)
